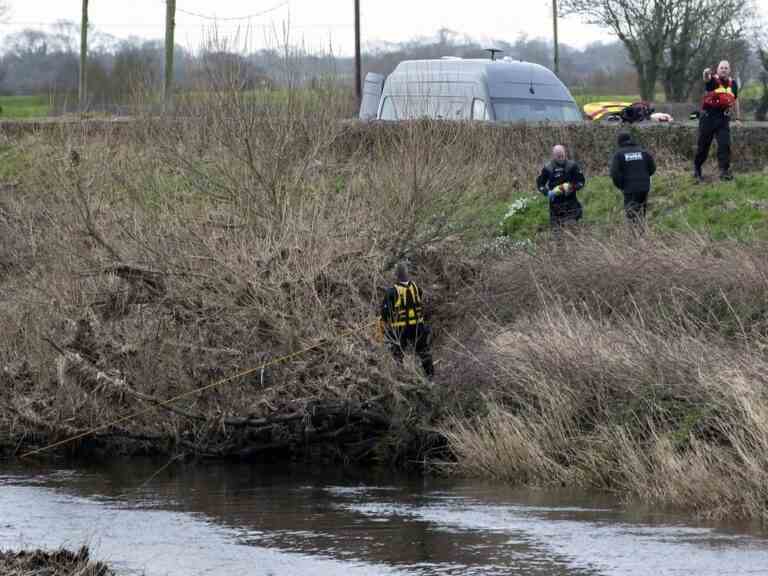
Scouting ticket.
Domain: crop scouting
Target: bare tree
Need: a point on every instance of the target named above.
(703, 32)
(643, 26)
(667, 40)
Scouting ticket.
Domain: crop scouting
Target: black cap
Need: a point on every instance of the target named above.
(625, 139)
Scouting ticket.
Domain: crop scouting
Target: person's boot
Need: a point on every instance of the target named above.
(697, 175)
(726, 175)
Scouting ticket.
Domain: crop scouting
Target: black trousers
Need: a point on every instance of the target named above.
(419, 338)
(564, 214)
(635, 206)
(714, 125)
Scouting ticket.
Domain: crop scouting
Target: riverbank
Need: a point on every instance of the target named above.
(210, 289)
(59, 563)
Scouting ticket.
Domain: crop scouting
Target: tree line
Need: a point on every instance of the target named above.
(660, 43)
(672, 41)
(35, 61)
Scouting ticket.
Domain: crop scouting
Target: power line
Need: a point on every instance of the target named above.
(232, 18)
(144, 26)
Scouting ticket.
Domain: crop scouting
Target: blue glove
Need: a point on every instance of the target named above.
(551, 195)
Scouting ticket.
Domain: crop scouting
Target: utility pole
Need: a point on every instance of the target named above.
(82, 89)
(557, 48)
(358, 69)
(170, 26)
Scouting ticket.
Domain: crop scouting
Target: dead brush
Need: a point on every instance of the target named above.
(670, 419)
(624, 365)
(675, 280)
(59, 563)
(195, 259)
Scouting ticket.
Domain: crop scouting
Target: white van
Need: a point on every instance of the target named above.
(504, 90)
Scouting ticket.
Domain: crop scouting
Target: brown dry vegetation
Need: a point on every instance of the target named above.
(141, 265)
(59, 563)
(634, 365)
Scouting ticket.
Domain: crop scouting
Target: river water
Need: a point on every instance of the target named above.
(147, 518)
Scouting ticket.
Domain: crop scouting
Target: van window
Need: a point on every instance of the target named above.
(479, 110)
(528, 110)
(412, 107)
(388, 109)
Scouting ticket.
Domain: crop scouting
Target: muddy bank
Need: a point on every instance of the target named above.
(58, 563)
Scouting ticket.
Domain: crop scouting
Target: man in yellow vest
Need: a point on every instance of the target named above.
(402, 317)
(719, 103)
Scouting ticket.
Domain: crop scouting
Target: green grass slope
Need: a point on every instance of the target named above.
(16, 107)
(735, 210)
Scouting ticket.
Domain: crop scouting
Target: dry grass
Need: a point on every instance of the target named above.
(59, 563)
(635, 365)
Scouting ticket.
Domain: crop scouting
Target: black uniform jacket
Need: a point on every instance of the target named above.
(632, 168)
(554, 174)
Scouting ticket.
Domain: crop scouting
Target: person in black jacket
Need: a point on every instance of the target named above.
(559, 181)
(631, 170)
(719, 103)
(402, 319)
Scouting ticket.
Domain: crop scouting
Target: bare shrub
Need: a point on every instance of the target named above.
(634, 365)
(674, 420)
(205, 244)
(679, 280)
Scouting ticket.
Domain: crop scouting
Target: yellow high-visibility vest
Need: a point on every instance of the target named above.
(407, 310)
(722, 97)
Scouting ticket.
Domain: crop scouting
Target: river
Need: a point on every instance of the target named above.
(163, 519)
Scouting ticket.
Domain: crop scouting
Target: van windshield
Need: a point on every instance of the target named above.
(527, 110)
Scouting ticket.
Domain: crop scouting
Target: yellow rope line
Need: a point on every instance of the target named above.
(171, 400)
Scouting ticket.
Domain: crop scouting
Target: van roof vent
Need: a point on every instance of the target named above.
(450, 58)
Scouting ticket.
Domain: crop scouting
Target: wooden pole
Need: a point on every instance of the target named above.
(358, 67)
(557, 48)
(82, 89)
(170, 26)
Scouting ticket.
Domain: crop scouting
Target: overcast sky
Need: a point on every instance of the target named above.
(318, 23)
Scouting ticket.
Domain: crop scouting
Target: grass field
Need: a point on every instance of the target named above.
(24, 106)
(721, 210)
(37, 106)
